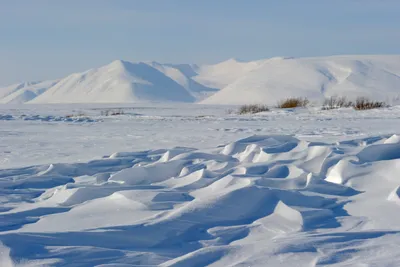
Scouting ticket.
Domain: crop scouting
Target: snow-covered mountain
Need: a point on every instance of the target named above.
(229, 82)
(117, 82)
(377, 77)
(183, 75)
(222, 74)
(122, 81)
(23, 92)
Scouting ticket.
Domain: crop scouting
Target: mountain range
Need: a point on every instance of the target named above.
(230, 82)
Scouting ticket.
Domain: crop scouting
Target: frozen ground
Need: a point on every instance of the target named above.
(191, 185)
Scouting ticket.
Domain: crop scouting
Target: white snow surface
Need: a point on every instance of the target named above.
(24, 92)
(192, 185)
(265, 81)
(375, 77)
(118, 82)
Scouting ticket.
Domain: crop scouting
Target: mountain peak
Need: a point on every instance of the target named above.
(118, 82)
(119, 63)
(233, 60)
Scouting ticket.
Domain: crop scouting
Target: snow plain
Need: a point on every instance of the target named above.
(195, 185)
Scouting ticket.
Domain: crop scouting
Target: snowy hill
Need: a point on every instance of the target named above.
(23, 92)
(117, 82)
(123, 81)
(184, 78)
(222, 74)
(377, 77)
(229, 82)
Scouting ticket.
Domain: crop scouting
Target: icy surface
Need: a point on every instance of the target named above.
(194, 185)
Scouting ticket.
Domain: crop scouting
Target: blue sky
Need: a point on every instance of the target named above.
(46, 39)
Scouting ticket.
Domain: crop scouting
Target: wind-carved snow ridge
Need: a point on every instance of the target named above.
(258, 201)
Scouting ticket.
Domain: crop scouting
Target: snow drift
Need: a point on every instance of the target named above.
(258, 201)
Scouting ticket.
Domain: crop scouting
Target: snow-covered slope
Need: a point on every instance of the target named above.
(184, 78)
(377, 77)
(123, 81)
(229, 82)
(117, 82)
(23, 92)
(222, 74)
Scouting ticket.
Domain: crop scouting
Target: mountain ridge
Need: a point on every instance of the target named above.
(229, 82)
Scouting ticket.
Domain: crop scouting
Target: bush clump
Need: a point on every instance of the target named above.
(363, 103)
(337, 102)
(252, 109)
(293, 102)
(108, 112)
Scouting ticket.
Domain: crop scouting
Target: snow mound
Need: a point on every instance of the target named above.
(253, 201)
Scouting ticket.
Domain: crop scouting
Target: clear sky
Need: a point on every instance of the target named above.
(47, 39)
